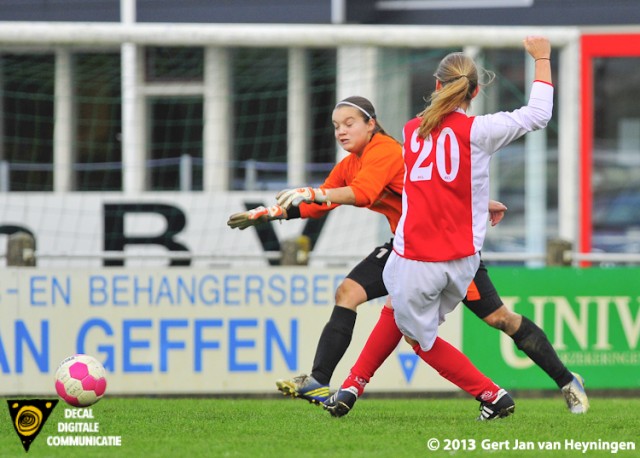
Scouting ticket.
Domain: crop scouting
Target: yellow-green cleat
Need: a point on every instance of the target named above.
(305, 387)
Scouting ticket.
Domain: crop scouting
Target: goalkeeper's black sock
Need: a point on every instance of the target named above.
(334, 341)
(534, 342)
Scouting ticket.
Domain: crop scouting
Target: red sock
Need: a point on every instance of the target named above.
(382, 341)
(454, 366)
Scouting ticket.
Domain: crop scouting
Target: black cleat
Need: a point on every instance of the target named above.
(502, 406)
(341, 402)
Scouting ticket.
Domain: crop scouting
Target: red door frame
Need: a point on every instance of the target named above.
(594, 46)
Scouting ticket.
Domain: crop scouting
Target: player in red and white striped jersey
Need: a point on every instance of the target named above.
(446, 190)
(442, 228)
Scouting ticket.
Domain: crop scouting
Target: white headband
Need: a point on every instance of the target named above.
(344, 102)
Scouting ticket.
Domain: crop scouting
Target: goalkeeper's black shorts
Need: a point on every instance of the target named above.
(368, 273)
(482, 297)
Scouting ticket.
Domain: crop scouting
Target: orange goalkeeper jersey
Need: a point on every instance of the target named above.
(376, 178)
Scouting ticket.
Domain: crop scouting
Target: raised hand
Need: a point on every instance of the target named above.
(538, 47)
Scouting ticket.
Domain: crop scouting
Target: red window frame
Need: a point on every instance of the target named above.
(595, 46)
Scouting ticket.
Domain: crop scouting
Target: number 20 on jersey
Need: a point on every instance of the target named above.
(446, 150)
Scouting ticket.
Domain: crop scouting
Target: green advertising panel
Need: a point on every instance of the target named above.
(591, 317)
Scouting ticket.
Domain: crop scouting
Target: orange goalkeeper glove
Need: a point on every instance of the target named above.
(255, 216)
(294, 197)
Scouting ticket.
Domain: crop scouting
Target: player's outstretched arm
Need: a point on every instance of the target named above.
(289, 198)
(256, 216)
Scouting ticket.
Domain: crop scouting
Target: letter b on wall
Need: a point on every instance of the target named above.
(115, 238)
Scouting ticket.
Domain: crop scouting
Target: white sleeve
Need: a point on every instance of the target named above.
(494, 131)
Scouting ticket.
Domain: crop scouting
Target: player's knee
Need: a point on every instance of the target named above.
(497, 319)
(350, 294)
(503, 319)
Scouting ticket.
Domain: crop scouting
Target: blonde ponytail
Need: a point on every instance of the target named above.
(458, 76)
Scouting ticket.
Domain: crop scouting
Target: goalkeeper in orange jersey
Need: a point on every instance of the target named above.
(372, 176)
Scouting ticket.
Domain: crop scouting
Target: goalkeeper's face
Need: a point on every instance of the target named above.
(352, 130)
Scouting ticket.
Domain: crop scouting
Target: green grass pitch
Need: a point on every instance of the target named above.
(377, 427)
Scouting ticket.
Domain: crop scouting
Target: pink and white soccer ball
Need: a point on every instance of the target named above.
(80, 380)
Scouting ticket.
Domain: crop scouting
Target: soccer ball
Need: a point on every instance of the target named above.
(80, 380)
